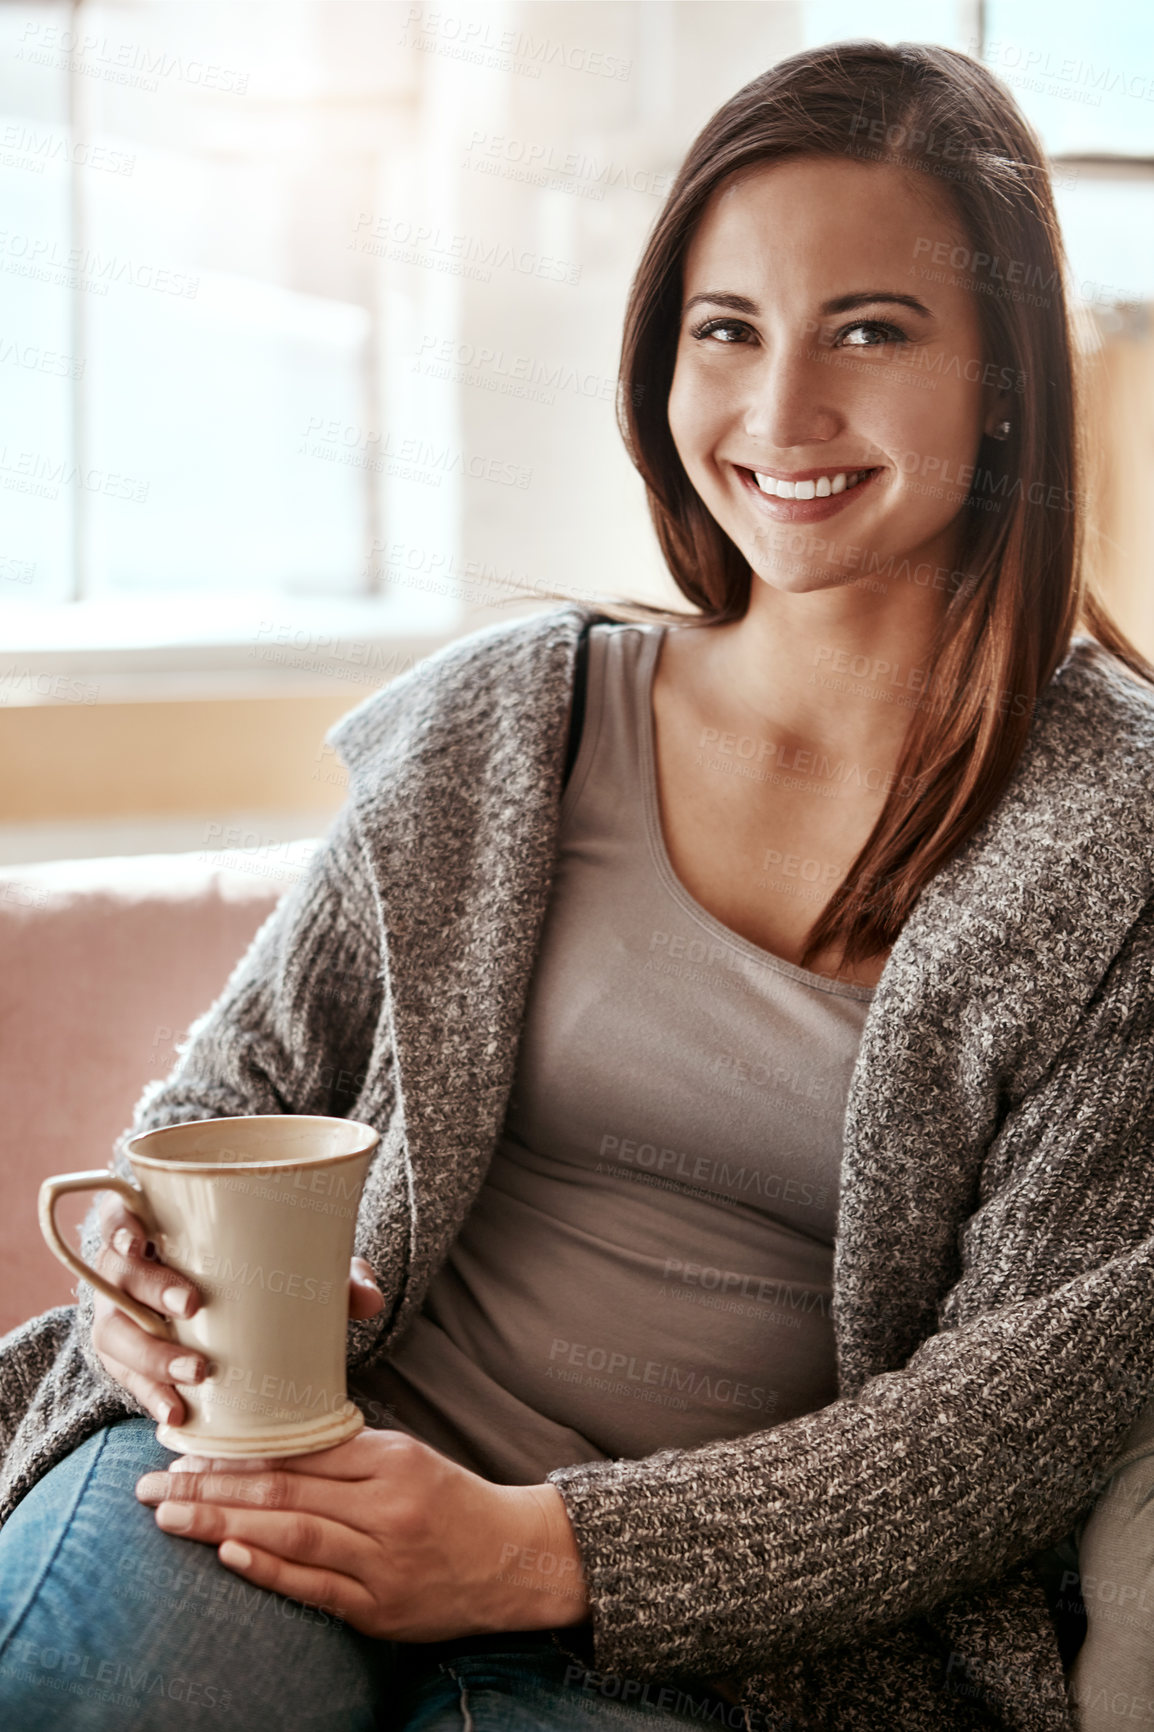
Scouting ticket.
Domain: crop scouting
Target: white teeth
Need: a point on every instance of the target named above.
(819, 489)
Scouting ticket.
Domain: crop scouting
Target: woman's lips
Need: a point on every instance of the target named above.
(803, 510)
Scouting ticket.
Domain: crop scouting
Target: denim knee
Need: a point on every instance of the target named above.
(106, 1619)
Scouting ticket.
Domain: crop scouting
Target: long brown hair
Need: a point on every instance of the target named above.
(1026, 589)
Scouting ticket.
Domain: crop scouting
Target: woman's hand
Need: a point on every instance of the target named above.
(386, 1532)
(144, 1365)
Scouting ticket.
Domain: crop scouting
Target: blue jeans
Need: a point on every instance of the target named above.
(107, 1621)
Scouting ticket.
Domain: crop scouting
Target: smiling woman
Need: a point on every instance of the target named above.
(756, 1005)
(775, 433)
(857, 285)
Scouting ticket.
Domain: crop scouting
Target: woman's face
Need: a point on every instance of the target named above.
(812, 346)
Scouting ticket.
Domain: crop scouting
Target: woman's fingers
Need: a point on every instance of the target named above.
(365, 1297)
(117, 1334)
(129, 1261)
(147, 1367)
(300, 1553)
(160, 1399)
(120, 1227)
(240, 1484)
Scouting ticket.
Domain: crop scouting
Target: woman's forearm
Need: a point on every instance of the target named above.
(842, 1524)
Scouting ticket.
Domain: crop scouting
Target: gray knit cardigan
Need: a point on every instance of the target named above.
(866, 1565)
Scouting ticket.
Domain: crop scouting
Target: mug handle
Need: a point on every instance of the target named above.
(99, 1180)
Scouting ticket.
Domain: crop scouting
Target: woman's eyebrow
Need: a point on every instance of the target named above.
(846, 303)
(840, 303)
(721, 298)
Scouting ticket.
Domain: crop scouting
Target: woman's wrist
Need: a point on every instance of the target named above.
(540, 1566)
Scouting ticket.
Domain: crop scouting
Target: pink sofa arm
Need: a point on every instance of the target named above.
(103, 966)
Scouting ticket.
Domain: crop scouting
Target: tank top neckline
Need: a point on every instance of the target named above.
(652, 636)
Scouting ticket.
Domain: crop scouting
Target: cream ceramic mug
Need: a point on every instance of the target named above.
(260, 1214)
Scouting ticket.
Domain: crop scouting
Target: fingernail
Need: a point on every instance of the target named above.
(168, 1413)
(177, 1516)
(122, 1241)
(176, 1299)
(186, 1369)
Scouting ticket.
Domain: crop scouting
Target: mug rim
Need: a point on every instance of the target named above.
(172, 1163)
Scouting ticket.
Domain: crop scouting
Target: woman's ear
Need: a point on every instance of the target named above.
(998, 421)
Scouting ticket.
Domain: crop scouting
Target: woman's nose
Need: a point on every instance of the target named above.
(790, 403)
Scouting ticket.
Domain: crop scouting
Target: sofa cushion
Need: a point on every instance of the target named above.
(103, 965)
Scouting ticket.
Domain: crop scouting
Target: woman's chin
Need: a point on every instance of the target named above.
(804, 583)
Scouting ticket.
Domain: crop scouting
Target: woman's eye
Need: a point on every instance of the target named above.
(864, 334)
(888, 334)
(716, 327)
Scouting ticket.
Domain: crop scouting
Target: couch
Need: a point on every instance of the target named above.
(103, 965)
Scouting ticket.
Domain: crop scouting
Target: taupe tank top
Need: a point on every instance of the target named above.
(649, 1260)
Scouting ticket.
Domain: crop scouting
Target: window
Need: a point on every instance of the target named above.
(195, 420)
(1084, 78)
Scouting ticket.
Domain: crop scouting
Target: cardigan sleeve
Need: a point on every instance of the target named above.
(943, 1475)
(292, 1031)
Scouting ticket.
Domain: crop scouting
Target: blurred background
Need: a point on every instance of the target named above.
(311, 316)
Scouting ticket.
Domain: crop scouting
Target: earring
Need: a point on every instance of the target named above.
(1001, 431)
